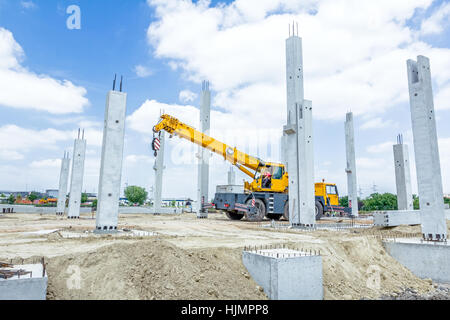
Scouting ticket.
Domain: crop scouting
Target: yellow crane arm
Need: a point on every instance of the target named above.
(242, 160)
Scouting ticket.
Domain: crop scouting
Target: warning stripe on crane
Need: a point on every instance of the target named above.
(156, 144)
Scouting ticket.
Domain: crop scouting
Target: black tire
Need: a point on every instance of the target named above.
(273, 216)
(319, 210)
(234, 215)
(286, 211)
(260, 210)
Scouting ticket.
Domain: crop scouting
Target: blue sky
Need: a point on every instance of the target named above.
(354, 59)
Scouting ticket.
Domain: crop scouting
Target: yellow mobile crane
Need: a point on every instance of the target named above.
(267, 193)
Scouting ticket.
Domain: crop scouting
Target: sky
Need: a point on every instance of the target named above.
(55, 74)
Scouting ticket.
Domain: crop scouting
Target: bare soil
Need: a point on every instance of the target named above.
(197, 259)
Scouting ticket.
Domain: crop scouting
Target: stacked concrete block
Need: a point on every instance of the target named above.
(286, 274)
(76, 183)
(29, 286)
(159, 168)
(297, 142)
(63, 182)
(426, 260)
(111, 163)
(203, 154)
(396, 218)
(402, 176)
(352, 187)
(426, 150)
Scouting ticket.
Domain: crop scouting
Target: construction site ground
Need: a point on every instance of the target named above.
(188, 258)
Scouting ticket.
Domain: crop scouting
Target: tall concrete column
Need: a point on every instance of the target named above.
(76, 183)
(159, 168)
(402, 175)
(351, 164)
(203, 154)
(63, 182)
(428, 167)
(298, 139)
(231, 177)
(111, 163)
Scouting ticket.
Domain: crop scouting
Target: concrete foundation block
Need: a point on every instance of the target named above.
(396, 218)
(400, 217)
(286, 274)
(427, 260)
(167, 211)
(27, 287)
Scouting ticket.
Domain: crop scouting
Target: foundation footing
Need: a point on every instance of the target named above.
(396, 218)
(31, 285)
(425, 259)
(286, 274)
(105, 229)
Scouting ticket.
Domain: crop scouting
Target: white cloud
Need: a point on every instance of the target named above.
(15, 140)
(354, 61)
(186, 96)
(47, 163)
(437, 21)
(23, 89)
(134, 158)
(442, 99)
(142, 72)
(381, 147)
(377, 123)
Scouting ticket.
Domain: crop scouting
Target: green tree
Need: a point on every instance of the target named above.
(11, 199)
(136, 194)
(84, 197)
(32, 196)
(416, 202)
(447, 200)
(376, 201)
(94, 204)
(343, 201)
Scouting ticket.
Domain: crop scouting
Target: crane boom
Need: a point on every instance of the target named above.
(238, 158)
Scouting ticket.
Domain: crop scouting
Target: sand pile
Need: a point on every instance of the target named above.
(151, 269)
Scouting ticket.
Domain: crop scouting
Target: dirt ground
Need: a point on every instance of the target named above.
(190, 258)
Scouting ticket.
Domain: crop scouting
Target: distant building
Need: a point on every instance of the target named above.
(179, 202)
(52, 193)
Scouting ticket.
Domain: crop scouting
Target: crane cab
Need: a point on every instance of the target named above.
(328, 192)
(272, 177)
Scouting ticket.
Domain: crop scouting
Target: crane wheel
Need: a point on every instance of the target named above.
(260, 210)
(319, 210)
(286, 211)
(234, 215)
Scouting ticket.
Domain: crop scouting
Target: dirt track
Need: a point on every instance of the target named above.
(194, 259)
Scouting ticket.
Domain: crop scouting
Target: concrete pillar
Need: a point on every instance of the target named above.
(298, 140)
(351, 164)
(426, 150)
(111, 163)
(203, 154)
(231, 177)
(402, 175)
(63, 182)
(76, 183)
(159, 168)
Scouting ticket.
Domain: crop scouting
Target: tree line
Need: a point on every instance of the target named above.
(381, 201)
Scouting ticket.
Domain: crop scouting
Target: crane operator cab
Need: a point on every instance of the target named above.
(271, 177)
